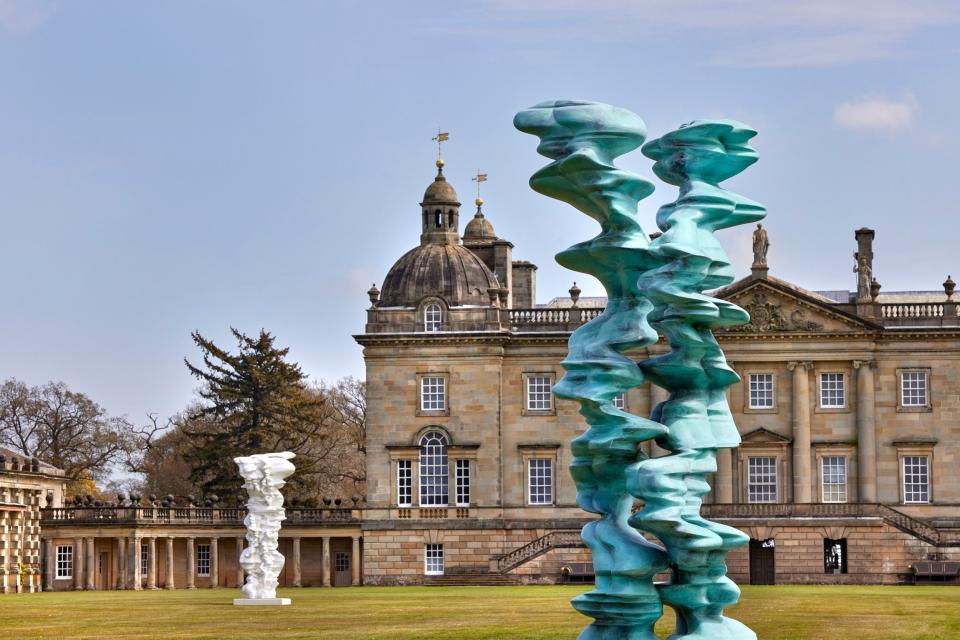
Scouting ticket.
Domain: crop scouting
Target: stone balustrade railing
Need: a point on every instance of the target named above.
(543, 544)
(908, 524)
(913, 310)
(227, 516)
(893, 314)
(548, 318)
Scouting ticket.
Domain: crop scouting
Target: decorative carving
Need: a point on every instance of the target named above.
(766, 317)
(263, 476)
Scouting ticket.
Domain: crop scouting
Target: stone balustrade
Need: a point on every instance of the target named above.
(185, 515)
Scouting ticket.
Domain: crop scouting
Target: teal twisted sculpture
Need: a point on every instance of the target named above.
(652, 287)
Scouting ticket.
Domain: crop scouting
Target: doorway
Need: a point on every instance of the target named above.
(341, 569)
(763, 561)
(103, 571)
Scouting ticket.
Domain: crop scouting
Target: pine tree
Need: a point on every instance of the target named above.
(254, 401)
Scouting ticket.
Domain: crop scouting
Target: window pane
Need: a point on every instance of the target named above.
(761, 390)
(144, 559)
(913, 388)
(64, 561)
(433, 559)
(463, 483)
(432, 317)
(541, 481)
(834, 478)
(203, 560)
(539, 396)
(762, 480)
(832, 391)
(404, 483)
(433, 394)
(341, 561)
(434, 478)
(916, 479)
(619, 401)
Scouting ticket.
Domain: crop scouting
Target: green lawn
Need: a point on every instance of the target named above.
(458, 613)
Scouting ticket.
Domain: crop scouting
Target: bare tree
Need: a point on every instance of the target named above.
(68, 430)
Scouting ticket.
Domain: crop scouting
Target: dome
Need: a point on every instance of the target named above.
(448, 271)
(479, 228)
(440, 191)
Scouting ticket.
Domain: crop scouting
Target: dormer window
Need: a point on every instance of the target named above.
(432, 317)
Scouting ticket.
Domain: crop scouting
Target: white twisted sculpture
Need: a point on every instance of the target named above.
(263, 476)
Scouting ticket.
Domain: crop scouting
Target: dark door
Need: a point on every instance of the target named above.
(341, 569)
(103, 571)
(762, 568)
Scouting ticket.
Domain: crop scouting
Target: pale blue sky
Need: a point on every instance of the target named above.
(173, 166)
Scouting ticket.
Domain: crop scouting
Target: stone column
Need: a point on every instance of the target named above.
(91, 565)
(214, 562)
(866, 432)
(191, 560)
(135, 570)
(657, 396)
(802, 479)
(115, 565)
(239, 567)
(51, 564)
(355, 562)
(724, 478)
(168, 583)
(151, 562)
(325, 564)
(121, 563)
(78, 564)
(296, 563)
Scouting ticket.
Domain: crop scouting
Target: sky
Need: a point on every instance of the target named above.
(191, 166)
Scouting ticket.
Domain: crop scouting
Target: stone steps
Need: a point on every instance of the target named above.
(471, 580)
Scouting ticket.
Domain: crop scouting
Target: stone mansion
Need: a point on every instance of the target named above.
(848, 408)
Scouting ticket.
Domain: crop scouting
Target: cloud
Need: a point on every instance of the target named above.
(737, 33)
(874, 113)
(24, 15)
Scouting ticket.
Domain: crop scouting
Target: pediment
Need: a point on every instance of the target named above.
(778, 307)
(764, 436)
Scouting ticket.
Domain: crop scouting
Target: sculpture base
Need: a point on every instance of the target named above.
(254, 602)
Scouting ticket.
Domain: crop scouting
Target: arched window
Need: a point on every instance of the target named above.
(432, 317)
(433, 470)
(439, 219)
(450, 219)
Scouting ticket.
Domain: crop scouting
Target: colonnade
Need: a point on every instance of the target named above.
(128, 565)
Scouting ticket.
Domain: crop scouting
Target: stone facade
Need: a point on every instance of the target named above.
(25, 485)
(849, 411)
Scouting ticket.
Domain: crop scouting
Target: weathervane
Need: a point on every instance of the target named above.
(440, 138)
(480, 177)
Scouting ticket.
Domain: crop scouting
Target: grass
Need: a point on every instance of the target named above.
(461, 613)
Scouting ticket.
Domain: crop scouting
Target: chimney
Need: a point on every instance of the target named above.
(864, 238)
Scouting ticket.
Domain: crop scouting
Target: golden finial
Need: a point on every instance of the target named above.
(440, 138)
(480, 177)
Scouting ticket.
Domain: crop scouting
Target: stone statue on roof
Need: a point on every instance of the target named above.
(760, 245)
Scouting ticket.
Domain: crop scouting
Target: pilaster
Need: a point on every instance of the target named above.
(802, 477)
(866, 432)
